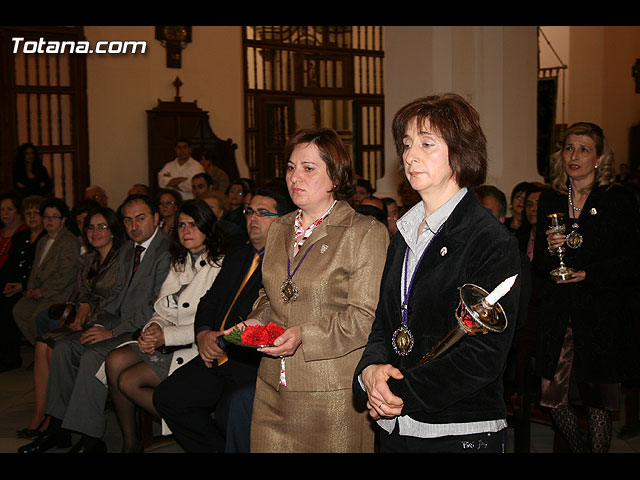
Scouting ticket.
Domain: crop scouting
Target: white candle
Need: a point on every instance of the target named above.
(500, 291)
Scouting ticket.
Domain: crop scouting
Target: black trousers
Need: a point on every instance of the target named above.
(239, 424)
(187, 398)
(494, 442)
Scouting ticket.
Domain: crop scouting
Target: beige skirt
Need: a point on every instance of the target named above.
(309, 422)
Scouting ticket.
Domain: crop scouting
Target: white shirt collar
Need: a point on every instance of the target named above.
(148, 241)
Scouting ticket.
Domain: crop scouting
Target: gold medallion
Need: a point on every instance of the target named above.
(574, 239)
(402, 340)
(289, 290)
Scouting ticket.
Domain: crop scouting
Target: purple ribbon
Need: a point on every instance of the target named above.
(407, 289)
(290, 275)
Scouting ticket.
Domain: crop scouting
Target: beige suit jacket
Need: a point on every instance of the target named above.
(56, 273)
(339, 283)
(55, 276)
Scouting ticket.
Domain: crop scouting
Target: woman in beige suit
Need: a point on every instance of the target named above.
(55, 268)
(321, 276)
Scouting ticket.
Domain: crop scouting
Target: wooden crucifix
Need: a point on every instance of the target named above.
(177, 83)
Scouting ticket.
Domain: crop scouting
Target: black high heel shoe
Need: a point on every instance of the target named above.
(30, 433)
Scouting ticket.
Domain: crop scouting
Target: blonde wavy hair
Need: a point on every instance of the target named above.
(605, 173)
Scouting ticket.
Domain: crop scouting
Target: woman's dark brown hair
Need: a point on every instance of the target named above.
(333, 153)
(458, 123)
(116, 227)
(207, 222)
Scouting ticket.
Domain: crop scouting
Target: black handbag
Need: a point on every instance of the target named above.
(64, 312)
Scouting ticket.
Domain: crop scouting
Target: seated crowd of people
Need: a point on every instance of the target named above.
(87, 301)
(125, 304)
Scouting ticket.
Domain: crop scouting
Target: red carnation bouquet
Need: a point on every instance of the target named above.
(255, 335)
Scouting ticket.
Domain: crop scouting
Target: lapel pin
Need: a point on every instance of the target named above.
(324, 248)
(593, 211)
(443, 251)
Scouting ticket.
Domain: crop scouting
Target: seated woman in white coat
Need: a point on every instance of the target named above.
(167, 341)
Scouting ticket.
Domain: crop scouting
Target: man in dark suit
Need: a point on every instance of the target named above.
(186, 398)
(76, 397)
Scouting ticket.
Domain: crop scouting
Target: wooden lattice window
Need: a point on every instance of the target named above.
(314, 76)
(46, 106)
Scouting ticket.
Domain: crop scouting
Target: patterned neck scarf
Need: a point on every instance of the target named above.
(301, 233)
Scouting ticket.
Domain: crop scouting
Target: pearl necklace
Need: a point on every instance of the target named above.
(573, 207)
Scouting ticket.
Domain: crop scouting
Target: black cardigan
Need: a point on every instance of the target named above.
(605, 340)
(19, 263)
(464, 384)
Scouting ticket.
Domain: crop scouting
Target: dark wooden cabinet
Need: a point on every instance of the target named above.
(169, 121)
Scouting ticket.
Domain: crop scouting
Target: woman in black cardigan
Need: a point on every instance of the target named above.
(14, 276)
(30, 176)
(454, 403)
(586, 339)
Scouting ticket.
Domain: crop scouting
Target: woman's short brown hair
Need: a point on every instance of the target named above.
(223, 200)
(177, 196)
(32, 201)
(458, 123)
(333, 153)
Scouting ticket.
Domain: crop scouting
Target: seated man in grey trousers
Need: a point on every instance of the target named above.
(76, 398)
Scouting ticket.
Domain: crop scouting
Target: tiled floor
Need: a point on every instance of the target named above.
(16, 404)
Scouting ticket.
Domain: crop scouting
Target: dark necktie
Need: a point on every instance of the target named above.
(136, 259)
